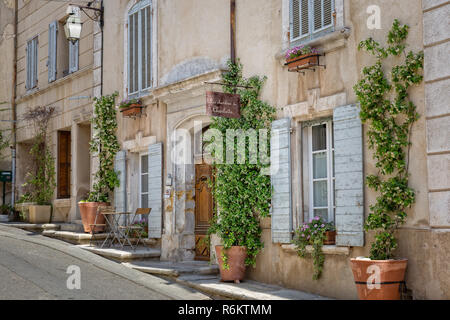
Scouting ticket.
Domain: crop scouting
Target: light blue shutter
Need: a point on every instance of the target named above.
(52, 47)
(280, 161)
(120, 193)
(34, 62)
(29, 66)
(349, 176)
(73, 56)
(155, 172)
(322, 14)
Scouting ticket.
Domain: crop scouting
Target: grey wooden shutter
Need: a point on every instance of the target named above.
(120, 193)
(29, 54)
(280, 155)
(52, 47)
(155, 181)
(73, 56)
(299, 19)
(349, 180)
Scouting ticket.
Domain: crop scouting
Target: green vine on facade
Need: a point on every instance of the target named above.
(386, 107)
(242, 194)
(41, 179)
(105, 145)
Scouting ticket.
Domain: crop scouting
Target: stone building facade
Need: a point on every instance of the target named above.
(164, 51)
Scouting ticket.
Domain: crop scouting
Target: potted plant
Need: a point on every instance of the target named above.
(242, 194)
(41, 178)
(5, 212)
(104, 145)
(301, 57)
(389, 113)
(315, 233)
(131, 107)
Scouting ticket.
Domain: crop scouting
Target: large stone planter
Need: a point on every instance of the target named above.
(61, 209)
(88, 211)
(39, 214)
(388, 275)
(4, 218)
(24, 210)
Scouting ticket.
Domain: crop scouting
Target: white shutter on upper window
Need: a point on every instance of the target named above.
(32, 63)
(52, 47)
(299, 19)
(73, 56)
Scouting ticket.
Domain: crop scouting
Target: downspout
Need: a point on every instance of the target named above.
(13, 110)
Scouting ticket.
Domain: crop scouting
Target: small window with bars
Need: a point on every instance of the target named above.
(140, 48)
(32, 63)
(310, 19)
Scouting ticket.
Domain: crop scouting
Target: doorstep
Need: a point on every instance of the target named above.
(174, 269)
(74, 237)
(124, 254)
(246, 290)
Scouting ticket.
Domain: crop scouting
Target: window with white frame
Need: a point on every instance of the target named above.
(32, 63)
(143, 180)
(310, 19)
(318, 170)
(140, 48)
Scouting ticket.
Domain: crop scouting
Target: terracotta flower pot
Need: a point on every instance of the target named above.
(88, 211)
(330, 238)
(133, 110)
(304, 61)
(236, 261)
(385, 284)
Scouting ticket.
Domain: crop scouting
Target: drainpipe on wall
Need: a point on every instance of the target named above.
(13, 110)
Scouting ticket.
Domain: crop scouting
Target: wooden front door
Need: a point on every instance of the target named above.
(203, 209)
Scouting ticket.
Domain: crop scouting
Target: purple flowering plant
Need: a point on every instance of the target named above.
(300, 51)
(128, 102)
(312, 233)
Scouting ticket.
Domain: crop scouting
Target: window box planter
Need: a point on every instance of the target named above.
(40, 213)
(132, 111)
(303, 62)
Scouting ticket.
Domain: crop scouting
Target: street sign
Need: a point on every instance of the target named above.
(5, 176)
(224, 105)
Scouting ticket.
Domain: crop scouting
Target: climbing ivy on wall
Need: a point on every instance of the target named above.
(241, 192)
(390, 114)
(105, 145)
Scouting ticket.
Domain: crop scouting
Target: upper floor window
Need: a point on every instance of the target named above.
(62, 53)
(32, 63)
(310, 19)
(140, 48)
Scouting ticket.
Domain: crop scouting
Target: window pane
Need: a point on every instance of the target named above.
(149, 48)
(144, 201)
(319, 137)
(317, 14)
(323, 213)
(144, 183)
(320, 194)
(143, 49)
(327, 12)
(295, 19)
(136, 53)
(320, 165)
(144, 164)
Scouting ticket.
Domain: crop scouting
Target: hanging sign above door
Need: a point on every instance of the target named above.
(226, 105)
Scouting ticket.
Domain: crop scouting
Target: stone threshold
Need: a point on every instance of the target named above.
(32, 226)
(246, 290)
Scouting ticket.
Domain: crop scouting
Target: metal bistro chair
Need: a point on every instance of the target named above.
(95, 225)
(138, 229)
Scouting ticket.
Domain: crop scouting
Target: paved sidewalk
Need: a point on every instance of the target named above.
(204, 277)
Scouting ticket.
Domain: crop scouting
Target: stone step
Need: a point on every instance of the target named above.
(73, 227)
(125, 254)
